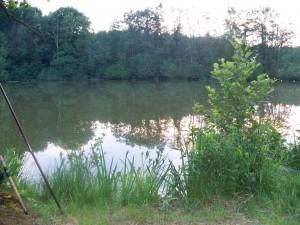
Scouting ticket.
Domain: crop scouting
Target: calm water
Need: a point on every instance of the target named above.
(133, 116)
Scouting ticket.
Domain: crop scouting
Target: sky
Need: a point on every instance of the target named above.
(194, 12)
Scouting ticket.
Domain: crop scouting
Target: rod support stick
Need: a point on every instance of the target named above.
(12, 184)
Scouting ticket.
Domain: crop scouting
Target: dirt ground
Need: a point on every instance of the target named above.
(11, 213)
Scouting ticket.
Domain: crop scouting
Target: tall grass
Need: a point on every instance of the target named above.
(144, 184)
(227, 164)
(293, 165)
(293, 155)
(86, 178)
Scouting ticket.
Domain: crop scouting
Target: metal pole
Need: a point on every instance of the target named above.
(13, 185)
(30, 149)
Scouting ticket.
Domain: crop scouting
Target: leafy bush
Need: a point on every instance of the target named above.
(235, 104)
(14, 161)
(118, 71)
(145, 66)
(234, 153)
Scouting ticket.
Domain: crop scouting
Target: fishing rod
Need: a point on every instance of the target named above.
(29, 148)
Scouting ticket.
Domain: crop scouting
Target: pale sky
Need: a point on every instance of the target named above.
(102, 13)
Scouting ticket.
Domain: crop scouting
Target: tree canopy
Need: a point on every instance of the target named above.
(61, 45)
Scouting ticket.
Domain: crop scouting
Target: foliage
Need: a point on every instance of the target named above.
(168, 68)
(12, 4)
(226, 165)
(14, 161)
(289, 68)
(262, 29)
(234, 105)
(99, 54)
(61, 46)
(68, 30)
(3, 58)
(118, 70)
(145, 66)
(233, 154)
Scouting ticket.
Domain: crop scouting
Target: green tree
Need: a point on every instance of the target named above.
(145, 66)
(3, 58)
(99, 55)
(168, 68)
(143, 35)
(289, 67)
(262, 29)
(7, 5)
(234, 105)
(146, 28)
(69, 31)
(24, 52)
(118, 70)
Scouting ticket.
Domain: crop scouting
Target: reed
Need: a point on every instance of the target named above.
(86, 178)
(145, 184)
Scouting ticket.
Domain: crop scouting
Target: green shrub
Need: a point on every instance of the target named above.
(118, 71)
(234, 153)
(14, 161)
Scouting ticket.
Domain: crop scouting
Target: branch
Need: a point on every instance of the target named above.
(11, 15)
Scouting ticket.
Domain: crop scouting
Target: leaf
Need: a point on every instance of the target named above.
(248, 54)
(12, 5)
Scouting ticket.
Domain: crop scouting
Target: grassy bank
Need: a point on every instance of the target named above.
(219, 212)
(92, 192)
(213, 188)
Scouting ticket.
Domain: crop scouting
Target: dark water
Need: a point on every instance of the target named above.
(133, 116)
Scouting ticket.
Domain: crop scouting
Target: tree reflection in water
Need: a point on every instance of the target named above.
(135, 116)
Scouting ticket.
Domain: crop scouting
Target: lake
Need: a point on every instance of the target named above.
(129, 116)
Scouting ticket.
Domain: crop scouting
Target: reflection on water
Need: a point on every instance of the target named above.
(285, 118)
(284, 109)
(134, 116)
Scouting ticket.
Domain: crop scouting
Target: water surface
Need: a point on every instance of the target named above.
(130, 116)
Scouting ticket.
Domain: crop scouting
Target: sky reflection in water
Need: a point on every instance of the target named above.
(134, 116)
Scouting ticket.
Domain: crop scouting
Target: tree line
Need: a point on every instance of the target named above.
(61, 46)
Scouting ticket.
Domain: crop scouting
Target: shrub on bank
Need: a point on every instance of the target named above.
(237, 152)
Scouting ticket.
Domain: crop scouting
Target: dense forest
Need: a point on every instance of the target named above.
(62, 46)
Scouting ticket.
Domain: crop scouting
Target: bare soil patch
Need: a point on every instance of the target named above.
(11, 213)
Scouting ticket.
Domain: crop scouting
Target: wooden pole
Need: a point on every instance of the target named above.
(13, 185)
